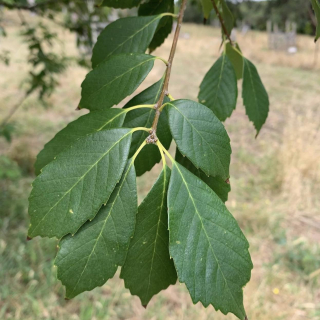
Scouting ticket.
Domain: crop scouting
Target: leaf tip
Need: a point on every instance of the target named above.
(145, 306)
(29, 238)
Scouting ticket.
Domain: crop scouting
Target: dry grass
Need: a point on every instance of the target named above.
(275, 189)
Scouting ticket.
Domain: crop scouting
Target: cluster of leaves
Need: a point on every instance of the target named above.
(47, 64)
(219, 89)
(86, 195)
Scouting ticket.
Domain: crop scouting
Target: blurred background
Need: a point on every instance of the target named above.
(275, 179)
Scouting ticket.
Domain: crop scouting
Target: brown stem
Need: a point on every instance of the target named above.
(224, 28)
(12, 112)
(169, 66)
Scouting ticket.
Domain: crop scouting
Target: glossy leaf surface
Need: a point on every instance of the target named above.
(217, 184)
(219, 90)
(255, 96)
(164, 28)
(114, 79)
(89, 123)
(91, 257)
(148, 268)
(71, 189)
(200, 136)
(208, 248)
(126, 35)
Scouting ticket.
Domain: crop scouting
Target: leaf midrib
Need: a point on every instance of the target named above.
(129, 38)
(158, 224)
(35, 228)
(253, 88)
(199, 135)
(203, 228)
(104, 223)
(116, 78)
(220, 78)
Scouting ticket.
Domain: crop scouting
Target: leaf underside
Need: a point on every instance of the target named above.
(84, 125)
(114, 79)
(210, 252)
(71, 189)
(125, 35)
(236, 59)
(143, 117)
(200, 136)
(255, 96)
(219, 90)
(148, 268)
(217, 184)
(91, 257)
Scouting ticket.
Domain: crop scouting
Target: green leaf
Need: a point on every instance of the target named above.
(91, 257)
(227, 17)
(209, 250)
(165, 26)
(89, 123)
(236, 59)
(200, 136)
(122, 4)
(114, 79)
(71, 189)
(206, 8)
(126, 35)
(255, 96)
(148, 268)
(219, 90)
(316, 8)
(217, 184)
(143, 117)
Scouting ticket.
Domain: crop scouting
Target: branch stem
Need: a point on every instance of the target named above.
(169, 67)
(224, 28)
(12, 111)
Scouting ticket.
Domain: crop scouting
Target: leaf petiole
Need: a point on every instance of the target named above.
(150, 106)
(138, 151)
(163, 60)
(162, 150)
(140, 129)
(171, 97)
(234, 48)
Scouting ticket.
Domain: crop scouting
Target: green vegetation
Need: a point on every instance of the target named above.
(274, 197)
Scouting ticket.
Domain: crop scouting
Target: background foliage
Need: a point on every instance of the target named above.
(292, 252)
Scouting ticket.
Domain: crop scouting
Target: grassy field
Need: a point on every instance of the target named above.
(275, 188)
